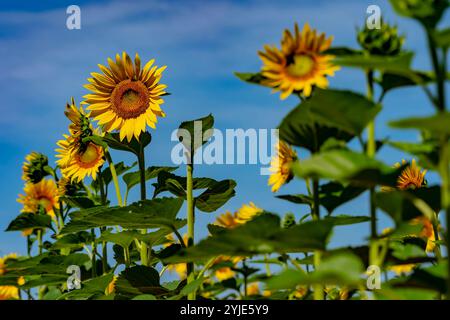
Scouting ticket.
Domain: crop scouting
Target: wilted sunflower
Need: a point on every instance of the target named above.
(126, 96)
(300, 64)
(280, 166)
(43, 194)
(34, 167)
(80, 126)
(412, 177)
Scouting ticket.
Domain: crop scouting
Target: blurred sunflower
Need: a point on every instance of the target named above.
(427, 232)
(34, 167)
(253, 289)
(246, 213)
(43, 194)
(225, 272)
(280, 166)
(126, 96)
(401, 269)
(178, 268)
(300, 64)
(8, 292)
(412, 177)
(111, 288)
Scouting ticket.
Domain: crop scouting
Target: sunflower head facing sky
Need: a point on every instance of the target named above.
(43, 194)
(300, 64)
(126, 96)
(280, 166)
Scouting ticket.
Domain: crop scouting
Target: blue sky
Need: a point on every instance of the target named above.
(202, 42)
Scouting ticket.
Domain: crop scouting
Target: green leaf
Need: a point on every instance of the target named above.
(144, 297)
(343, 51)
(347, 166)
(195, 133)
(215, 196)
(343, 220)
(405, 294)
(79, 202)
(125, 238)
(334, 194)
(134, 146)
(390, 81)
(177, 185)
(26, 221)
(297, 198)
(91, 288)
(344, 110)
(330, 271)
(154, 213)
(139, 280)
(402, 205)
(191, 287)
(73, 241)
(255, 78)
(261, 235)
(327, 114)
(437, 124)
(133, 178)
(397, 63)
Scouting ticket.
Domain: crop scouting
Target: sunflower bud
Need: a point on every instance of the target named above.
(288, 221)
(384, 41)
(428, 12)
(35, 167)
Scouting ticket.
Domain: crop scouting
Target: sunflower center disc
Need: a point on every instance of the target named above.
(301, 65)
(90, 155)
(130, 99)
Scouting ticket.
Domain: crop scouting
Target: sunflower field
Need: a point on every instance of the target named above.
(86, 241)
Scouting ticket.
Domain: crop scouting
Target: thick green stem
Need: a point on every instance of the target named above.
(39, 237)
(144, 248)
(93, 257)
(445, 195)
(190, 222)
(318, 289)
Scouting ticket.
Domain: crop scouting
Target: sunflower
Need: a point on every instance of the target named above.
(247, 212)
(178, 268)
(427, 232)
(225, 272)
(43, 194)
(111, 288)
(8, 292)
(227, 220)
(280, 166)
(412, 177)
(80, 126)
(79, 162)
(300, 64)
(33, 169)
(126, 96)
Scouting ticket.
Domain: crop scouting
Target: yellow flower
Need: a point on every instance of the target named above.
(300, 64)
(111, 288)
(8, 292)
(178, 268)
(253, 289)
(427, 232)
(247, 212)
(412, 177)
(402, 268)
(280, 166)
(33, 167)
(77, 162)
(126, 96)
(43, 194)
(225, 273)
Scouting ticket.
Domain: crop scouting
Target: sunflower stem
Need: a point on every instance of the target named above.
(141, 161)
(190, 222)
(318, 289)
